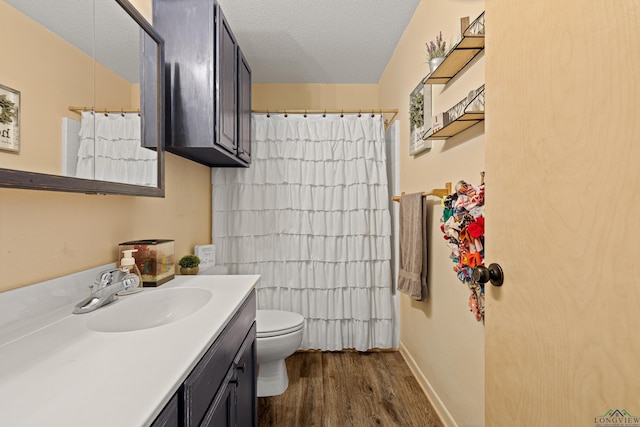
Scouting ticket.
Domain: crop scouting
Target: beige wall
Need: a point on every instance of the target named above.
(272, 97)
(48, 234)
(440, 338)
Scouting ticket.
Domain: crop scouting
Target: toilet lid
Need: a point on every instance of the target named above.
(271, 323)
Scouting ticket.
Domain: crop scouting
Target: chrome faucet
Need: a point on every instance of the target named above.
(104, 289)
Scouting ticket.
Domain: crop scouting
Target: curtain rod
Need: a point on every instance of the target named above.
(372, 111)
(79, 110)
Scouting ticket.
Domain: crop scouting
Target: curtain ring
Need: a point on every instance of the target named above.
(268, 115)
(324, 114)
(372, 114)
(106, 113)
(342, 114)
(285, 114)
(305, 114)
(360, 113)
(122, 112)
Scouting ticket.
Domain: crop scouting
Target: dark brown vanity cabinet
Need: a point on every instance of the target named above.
(208, 108)
(221, 390)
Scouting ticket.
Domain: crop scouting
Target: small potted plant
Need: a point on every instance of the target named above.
(436, 51)
(189, 264)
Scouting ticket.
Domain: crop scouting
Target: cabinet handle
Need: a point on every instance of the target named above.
(240, 368)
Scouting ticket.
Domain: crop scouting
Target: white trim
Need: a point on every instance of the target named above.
(429, 391)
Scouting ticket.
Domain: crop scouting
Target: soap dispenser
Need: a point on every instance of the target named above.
(128, 264)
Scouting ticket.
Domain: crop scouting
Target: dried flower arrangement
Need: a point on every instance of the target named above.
(437, 48)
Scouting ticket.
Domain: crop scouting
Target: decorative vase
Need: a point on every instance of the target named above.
(435, 62)
(189, 270)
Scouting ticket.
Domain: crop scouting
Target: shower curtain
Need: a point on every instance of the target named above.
(311, 216)
(111, 150)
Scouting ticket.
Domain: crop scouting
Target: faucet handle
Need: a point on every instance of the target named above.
(103, 278)
(130, 281)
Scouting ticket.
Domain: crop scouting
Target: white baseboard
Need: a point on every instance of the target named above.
(428, 389)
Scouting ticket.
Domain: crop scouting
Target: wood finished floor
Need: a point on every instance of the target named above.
(343, 389)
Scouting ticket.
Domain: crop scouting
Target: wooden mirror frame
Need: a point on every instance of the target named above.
(10, 178)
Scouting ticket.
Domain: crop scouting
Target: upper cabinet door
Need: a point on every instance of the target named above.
(226, 78)
(244, 108)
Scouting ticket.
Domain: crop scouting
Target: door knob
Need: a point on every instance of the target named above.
(493, 274)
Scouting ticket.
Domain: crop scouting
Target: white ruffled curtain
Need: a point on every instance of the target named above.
(311, 216)
(110, 150)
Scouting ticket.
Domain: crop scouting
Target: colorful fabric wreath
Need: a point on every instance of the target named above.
(462, 224)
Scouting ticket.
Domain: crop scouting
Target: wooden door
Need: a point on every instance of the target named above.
(562, 208)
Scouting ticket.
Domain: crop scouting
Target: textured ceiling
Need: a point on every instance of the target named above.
(320, 41)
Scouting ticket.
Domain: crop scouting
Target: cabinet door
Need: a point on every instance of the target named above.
(226, 78)
(245, 366)
(169, 417)
(244, 108)
(222, 410)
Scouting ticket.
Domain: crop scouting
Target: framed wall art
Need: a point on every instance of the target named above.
(9, 119)
(419, 119)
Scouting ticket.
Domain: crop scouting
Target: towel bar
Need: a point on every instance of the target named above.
(438, 192)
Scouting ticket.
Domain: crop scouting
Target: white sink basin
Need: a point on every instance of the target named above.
(148, 309)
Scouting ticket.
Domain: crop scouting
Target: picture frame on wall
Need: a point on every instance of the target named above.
(419, 119)
(9, 119)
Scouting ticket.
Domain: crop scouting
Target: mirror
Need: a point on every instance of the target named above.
(89, 78)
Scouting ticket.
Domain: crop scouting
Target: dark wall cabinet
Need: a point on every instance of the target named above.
(221, 389)
(209, 93)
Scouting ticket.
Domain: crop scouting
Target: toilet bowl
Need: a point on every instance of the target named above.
(279, 334)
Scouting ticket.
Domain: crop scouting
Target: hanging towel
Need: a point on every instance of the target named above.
(412, 277)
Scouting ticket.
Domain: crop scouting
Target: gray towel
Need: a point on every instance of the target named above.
(412, 277)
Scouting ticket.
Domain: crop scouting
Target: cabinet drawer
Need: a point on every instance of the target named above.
(207, 377)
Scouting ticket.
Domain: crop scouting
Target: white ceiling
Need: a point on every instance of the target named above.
(319, 41)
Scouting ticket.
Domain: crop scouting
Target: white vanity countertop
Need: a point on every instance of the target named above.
(61, 373)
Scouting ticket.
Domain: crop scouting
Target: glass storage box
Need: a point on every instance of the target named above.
(154, 259)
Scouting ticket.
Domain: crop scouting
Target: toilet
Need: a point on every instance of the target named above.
(279, 334)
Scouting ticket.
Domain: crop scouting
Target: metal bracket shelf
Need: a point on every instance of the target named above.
(460, 55)
(467, 113)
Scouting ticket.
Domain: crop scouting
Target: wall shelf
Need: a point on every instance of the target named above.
(467, 113)
(461, 54)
